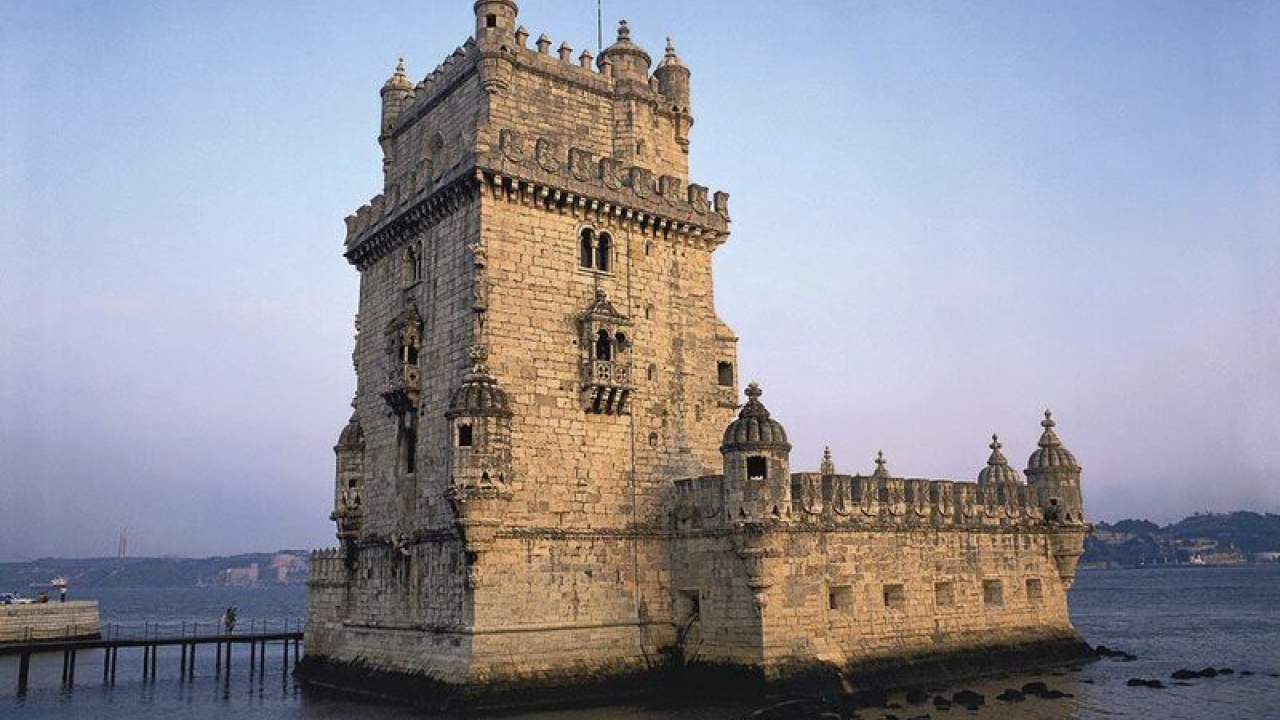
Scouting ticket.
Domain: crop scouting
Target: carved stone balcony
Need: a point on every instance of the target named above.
(606, 386)
(401, 390)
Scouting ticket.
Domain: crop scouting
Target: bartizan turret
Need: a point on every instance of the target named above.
(348, 508)
(757, 465)
(397, 91)
(479, 418)
(673, 85)
(1053, 471)
(495, 38)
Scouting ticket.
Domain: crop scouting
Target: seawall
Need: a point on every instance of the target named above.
(49, 621)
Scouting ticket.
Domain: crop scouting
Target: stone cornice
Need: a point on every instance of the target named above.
(373, 231)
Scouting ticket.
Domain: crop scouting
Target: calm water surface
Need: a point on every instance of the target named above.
(1169, 618)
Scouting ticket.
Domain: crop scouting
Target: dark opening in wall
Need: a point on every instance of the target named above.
(603, 248)
(757, 468)
(491, 21)
(993, 593)
(840, 599)
(1035, 591)
(586, 248)
(465, 435)
(895, 597)
(724, 374)
(604, 346)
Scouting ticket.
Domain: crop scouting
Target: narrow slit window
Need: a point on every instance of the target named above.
(603, 247)
(586, 248)
(724, 374)
(604, 346)
(465, 436)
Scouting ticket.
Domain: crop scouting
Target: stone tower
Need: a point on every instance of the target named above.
(538, 357)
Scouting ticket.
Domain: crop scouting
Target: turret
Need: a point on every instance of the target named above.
(1053, 471)
(495, 19)
(673, 84)
(757, 466)
(479, 460)
(630, 62)
(348, 500)
(998, 469)
(396, 91)
(496, 36)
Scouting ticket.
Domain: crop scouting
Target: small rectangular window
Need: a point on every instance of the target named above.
(993, 593)
(1035, 591)
(944, 594)
(757, 468)
(724, 374)
(690, 604)
(895, 597)
(840, 599)
(491, 21)
(464, 436)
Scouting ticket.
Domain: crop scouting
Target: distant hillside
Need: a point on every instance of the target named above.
(153, 572)
(1222, 539)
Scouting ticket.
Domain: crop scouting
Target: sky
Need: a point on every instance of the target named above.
(947, 216)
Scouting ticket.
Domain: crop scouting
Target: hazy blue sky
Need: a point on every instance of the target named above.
(947, 216)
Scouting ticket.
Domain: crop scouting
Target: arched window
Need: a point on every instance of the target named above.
(586, 252)
(604, 346)
(620, 342)
(603, 248)
(415, 264)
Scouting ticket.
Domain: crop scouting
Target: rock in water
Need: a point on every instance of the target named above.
(1011, 695)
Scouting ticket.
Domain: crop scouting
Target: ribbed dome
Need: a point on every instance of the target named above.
(352, 436)
(1051, 455)
(998, 469)
(480, 393)
(625, 47)
(754, 428)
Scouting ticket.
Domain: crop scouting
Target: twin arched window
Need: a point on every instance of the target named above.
(595, 251)
(606, 346)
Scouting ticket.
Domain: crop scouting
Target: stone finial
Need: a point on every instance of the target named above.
(566, 52)
(522, 36)
(828, 467)
(753, 390)
(1048, 438)
(669, 57)
(478, 354)
(544, 44)
(624, 32)
(882, 466)
(585, 59)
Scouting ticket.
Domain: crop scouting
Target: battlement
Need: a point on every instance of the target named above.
(850, 501)
(327, 567)
(549, 173)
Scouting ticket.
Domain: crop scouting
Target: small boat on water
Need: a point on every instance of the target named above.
(57, 583)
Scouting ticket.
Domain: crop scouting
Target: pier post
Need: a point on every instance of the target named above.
(253, 657)
(66, 665)
(155, 649)
(24, 669)
(115, 660)
(191, 660)
(106, 664)
(71, 673)
(182, 663)
(146, 661)
(217, 665)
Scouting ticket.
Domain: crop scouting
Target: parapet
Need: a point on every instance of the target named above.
(852, 501)
(327, 567)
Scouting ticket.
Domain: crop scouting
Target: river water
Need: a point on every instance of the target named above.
(1169, 618)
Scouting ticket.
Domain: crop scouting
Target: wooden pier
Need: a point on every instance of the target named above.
(221, 644)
